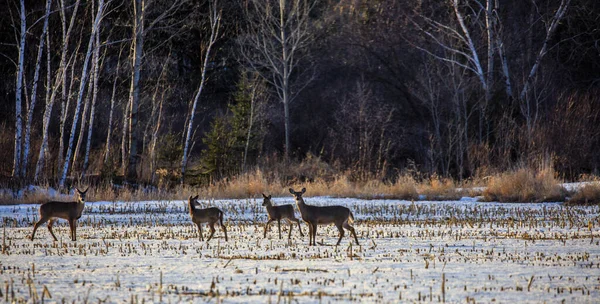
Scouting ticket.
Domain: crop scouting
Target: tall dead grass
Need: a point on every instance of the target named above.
(525, 185)
(589, 194)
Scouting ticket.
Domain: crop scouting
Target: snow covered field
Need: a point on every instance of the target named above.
(462, 251)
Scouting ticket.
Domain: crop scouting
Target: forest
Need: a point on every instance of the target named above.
(194, 92)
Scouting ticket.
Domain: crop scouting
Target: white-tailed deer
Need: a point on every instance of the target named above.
(208, 215)
(70, 211)
(277, 213)
(317, 215)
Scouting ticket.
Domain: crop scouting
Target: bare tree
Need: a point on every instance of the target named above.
(33, 99)
(558, 16)
(63, 66)
(275, 44)
(139, 31)
(18, 93)
(59, 81)
(111, 111)
(215, 25)
(95, 75)
(83, 81)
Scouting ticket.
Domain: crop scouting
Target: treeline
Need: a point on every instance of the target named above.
(162, 92)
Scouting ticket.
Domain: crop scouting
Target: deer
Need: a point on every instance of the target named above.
(70, 211)
(208, 215)
(277, 213)
(317, 215)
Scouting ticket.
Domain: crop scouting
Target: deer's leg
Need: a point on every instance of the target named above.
(50, 223)
(72, 226)
(299, 228)
(314, 234)
(200, 232)
(291, 226)
(309, 234)
(224, 231)
(279, 227)
(347, 226)
(35, 227)
(267, 227)
(212, 231)
(341, 230)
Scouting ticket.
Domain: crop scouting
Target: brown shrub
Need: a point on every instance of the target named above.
(524, 185)
(589, 194)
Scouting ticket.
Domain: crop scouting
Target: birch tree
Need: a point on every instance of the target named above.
(215, 24)
(139, 31)
(83, 81)
(275, 43)
(96, 75)
(53, 87)
(18, 93)
(63, 66)
(33, 99)
(111, 111)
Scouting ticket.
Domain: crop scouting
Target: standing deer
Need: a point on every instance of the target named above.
(70, 211)
(316, 215)
(208, 215)
(277, 213)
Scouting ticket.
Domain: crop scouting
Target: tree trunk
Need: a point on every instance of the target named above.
(92, 110)
(80, 137)
(18, 94)
(111, 111)
(47, 113)
(564, 5)
(215, 22)
(84, 75)
(134, 92)
(36, 76)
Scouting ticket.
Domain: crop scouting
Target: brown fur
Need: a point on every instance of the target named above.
(208, 215)
(277, 213)
(70, 211)
(316, 215)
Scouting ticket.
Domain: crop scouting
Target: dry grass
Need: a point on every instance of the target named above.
(437, 188)
(524, 185)
(586, 195)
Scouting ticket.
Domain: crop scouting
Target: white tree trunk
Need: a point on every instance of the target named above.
(124, 142)
(134, 91)
(215, 24)
(84, 75)
(564, 5)
(111, 111)
(92, 110)
(36, 76)
(47, 113)
(63, 66)
(80, 137)
(18, 94)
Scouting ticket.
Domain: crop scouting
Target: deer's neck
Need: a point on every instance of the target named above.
(80, 206)
(300, 203)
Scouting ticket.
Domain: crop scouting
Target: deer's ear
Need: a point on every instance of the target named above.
(190, 198)
(197, 196)
(292, 191)
(86, 190)
(264, 196)
(270, 196)
(303, 190)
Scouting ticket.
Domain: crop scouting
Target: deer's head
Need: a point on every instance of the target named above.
(266, 200)
(193, 199)
(81, 194)
(297, 195)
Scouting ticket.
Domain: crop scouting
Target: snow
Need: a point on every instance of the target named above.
(485, 251)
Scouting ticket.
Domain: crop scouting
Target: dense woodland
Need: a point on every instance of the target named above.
(199, 91)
